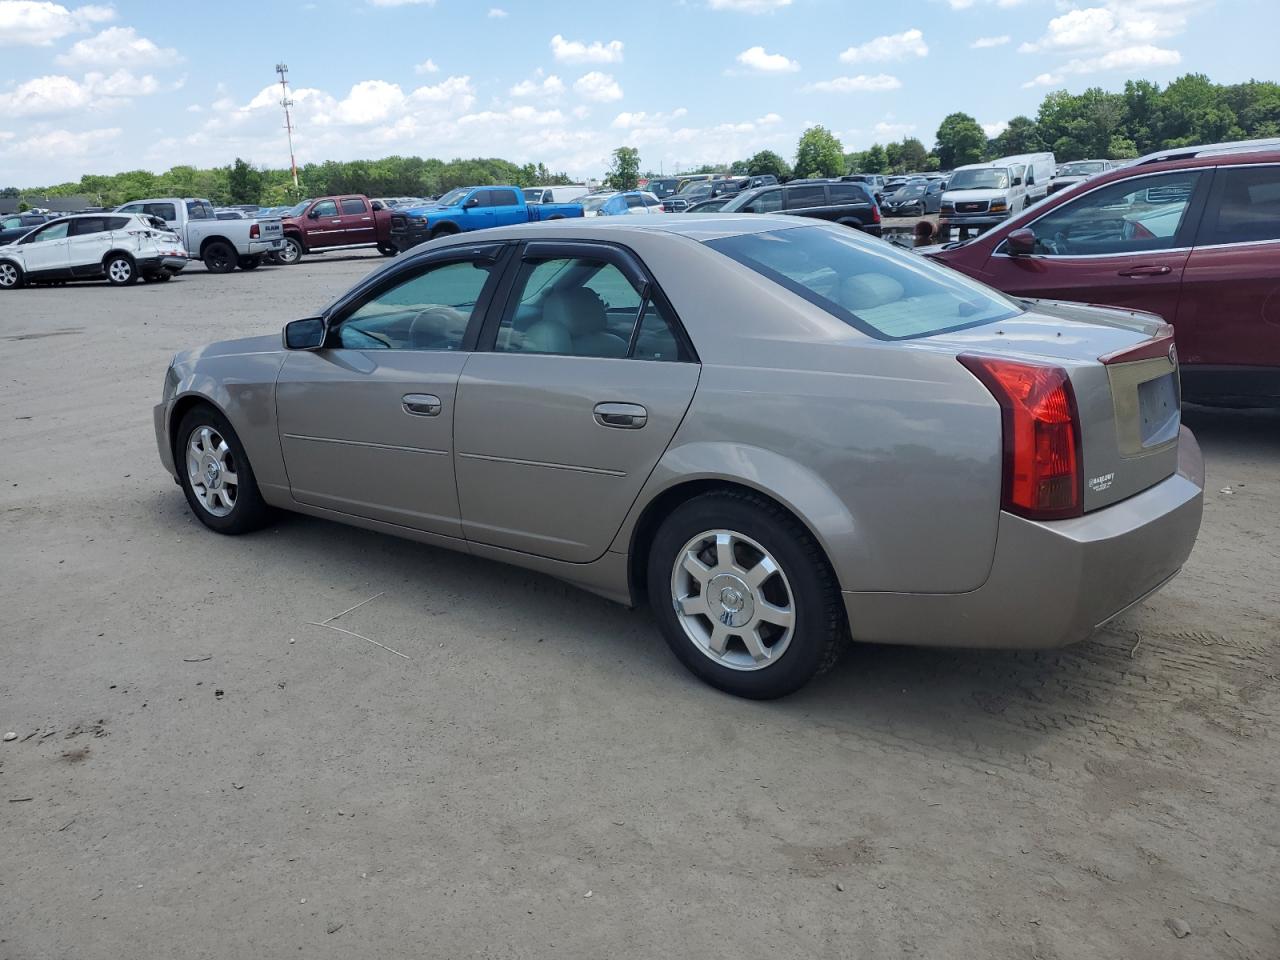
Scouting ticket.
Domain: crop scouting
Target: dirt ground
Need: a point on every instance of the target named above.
(199, 773)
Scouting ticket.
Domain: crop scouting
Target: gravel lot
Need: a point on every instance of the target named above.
(199, 773)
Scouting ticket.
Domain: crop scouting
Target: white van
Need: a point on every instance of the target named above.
(982, 195)
(554, 194)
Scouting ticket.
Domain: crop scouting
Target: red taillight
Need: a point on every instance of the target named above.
(1043, 477)
(875, 213)
(254, 232)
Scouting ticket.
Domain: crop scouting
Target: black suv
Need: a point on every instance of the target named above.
(839, 202)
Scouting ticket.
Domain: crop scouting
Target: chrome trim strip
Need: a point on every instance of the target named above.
(601, 471)
(365, 443)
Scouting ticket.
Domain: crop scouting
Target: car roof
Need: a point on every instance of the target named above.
(699, 227)
(1213, 159)
(1267, 144)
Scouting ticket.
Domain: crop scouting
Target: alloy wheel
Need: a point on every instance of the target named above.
(732, 599)
(211, 470)
(8, 276)
(119, 270)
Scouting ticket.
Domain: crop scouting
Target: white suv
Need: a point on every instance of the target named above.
(116, 247)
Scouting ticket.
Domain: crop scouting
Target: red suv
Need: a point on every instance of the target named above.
(1191, 234)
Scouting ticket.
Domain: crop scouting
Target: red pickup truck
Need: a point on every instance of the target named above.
(329, 222)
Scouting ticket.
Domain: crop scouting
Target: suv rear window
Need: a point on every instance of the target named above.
(885, 293)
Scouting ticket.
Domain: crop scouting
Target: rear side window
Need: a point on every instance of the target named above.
(1245, 207)
(886, 293)
(354, 206)
(165, 211)
(801, 197)
(502, 198)
(86, 226)
(198, 210)
(848, 193)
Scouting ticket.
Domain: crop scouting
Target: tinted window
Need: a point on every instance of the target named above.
(197, 210)
(884, 292)
(325, 208)
(165, 211)
(428, 311)
(503, 198)
(1246, 207)
(808, 196)
(634, 200)
(354, 206)
(770, 201)
(11, 223)
(1130, 216)
(86, 226)
(655, 340)
(848, 193)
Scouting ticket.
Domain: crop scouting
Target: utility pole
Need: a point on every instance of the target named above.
(283, 70)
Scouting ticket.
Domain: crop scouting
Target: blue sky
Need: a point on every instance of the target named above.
(105, 87)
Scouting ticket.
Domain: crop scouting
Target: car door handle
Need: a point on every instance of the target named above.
(1146, 271)
(421, 404)
(625, 416)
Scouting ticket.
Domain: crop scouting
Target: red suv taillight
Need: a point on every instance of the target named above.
(875, 212)
(1043, 475)
(254, 232)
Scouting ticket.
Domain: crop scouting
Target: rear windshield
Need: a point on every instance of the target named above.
(885, 293)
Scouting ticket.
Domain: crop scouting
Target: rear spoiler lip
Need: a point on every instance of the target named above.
(1161, 345)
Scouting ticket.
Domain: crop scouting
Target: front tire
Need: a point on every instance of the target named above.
(216, 475)
(219, 257)
(121, 271)
(291, 252)
(744, 595)
(11, 277)
(387, 250)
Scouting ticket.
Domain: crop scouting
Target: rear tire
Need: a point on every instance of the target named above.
(249, 263)
(744, 595)
(120, 269)
(216, 475)
(11, 277)
(219, 257)
(387, 250)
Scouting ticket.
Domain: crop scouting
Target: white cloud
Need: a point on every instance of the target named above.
(1043, 80)
(496, 13)
(426, 66)
(575, 51)
(1117, 23)
(597, 86)
(62, 144)
(118, 47)
(986, 43)
(39, 24)
(626, 121)
(967, 4)
(995, 128)
(859, 84)
(888, 130)
(896, 46)
(57, 94)
(756, 59)
(539, 86)
(748, 6)
(195, 108)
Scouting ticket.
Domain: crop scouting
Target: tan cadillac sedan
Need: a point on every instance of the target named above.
(780, 434)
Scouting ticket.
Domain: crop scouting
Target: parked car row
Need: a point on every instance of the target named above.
(117, 247)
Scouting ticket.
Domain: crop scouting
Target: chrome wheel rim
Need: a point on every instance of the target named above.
(119, 270)
(8, 275)
(733, 600)
(291, 252)
(211, 471)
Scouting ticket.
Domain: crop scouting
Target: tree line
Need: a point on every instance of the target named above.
(1092, 124)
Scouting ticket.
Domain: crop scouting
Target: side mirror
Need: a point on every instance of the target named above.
(1021, 242)
(472, 202)
(313, 214)
(308, 334)
(377, 205)
(1017, 181)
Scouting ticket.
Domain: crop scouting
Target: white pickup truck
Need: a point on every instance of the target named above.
(223, 245)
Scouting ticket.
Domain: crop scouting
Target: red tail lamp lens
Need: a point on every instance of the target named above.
(254, 232)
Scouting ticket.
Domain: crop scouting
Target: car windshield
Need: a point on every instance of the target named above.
(297, 209)
(1081, 168)
(910, 190)
(453, 197)
(662, 188)
(886, 293)
(986, 178)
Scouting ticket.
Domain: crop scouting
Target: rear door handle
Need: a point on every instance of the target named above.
(1146, 271)
(421, 404)
(624, 416)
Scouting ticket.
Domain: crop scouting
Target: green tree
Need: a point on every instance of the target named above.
(874, 159)
(766, 162)
(819, 154)
(912, 155)
(1020, 136)
(960, 140)
(624, 171)
(244, 183)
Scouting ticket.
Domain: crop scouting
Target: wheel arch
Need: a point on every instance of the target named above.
(791, 487)
(444, 228)
(181, 407)
(217, 238)
(118, 251)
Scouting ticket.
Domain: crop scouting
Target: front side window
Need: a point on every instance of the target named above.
(325, 208)
(800, 197)
(770, 201)
(54, 231)
(1130, 216)
(427, 311)
(583, 307)
(884, 292)
(352, 206)
(1246, 208)
(11, 223)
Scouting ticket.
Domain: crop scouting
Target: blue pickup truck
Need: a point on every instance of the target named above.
(471, 208)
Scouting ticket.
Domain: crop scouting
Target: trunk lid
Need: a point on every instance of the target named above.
(1124, 374)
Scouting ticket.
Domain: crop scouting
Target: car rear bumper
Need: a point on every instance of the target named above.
(167, 264)
(259, 247)
(1053, 583)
